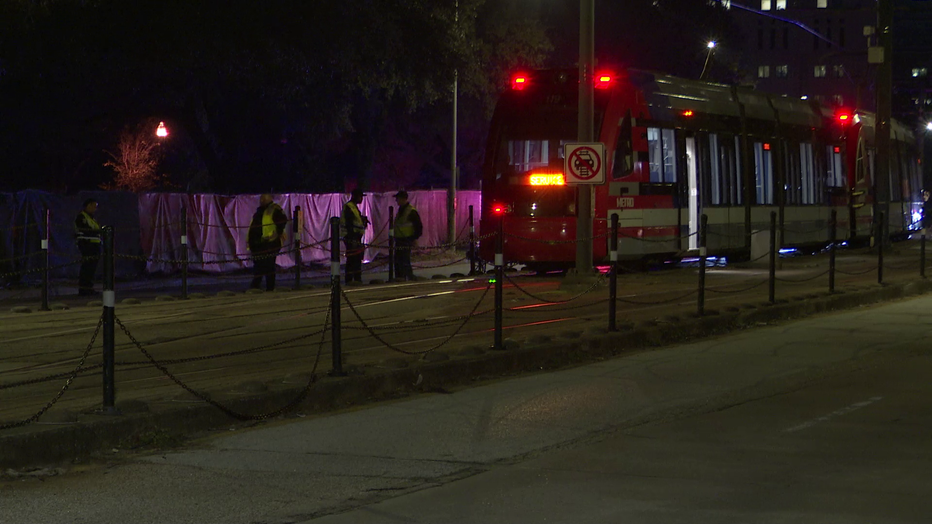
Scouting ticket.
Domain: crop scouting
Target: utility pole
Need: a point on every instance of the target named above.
(451, 194)
(884, 114)
(585, 133)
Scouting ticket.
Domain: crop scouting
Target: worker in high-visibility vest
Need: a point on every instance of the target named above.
(408, 228)
(265, 237)
(87, 235)
(353, 225)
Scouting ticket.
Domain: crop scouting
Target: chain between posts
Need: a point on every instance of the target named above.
(71, 376)
(598, 281)
(424, 352)
(206, 398)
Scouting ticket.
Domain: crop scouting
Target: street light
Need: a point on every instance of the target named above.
(708, 57)
(161, 131)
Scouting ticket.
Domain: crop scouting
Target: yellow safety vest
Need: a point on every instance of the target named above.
(268, 222)
(404, 228)
(93, 225)
(354, 224)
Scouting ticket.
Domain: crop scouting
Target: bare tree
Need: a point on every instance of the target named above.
(135, 161)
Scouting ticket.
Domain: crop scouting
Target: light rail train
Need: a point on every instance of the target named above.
(676, 149)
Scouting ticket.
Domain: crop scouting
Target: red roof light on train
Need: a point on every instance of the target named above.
(603, 80)
(844, 117)
(688, 112)
(519, 82)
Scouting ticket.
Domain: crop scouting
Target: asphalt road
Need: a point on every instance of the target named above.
(822, 420)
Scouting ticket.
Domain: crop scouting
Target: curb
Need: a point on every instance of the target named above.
(94, 434)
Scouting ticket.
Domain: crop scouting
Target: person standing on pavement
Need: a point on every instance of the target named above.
(87, 235)
(408, 228)
(265, 240)
(353, 223)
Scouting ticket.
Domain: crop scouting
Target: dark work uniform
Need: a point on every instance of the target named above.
(408, 228)
(353, 225)
(265, 241)
(87, 236)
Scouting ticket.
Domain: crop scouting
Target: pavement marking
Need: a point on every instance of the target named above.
(825, 418)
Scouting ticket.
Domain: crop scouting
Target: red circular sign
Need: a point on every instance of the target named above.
(585, 163)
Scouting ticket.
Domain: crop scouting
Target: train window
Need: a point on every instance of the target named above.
(793, 183)
(725, 171)
(661, 146)
(715, 171)
(526, 155)
(861, 162)
(763, 172)
(624, 151)
(807, 174)
(836, 167)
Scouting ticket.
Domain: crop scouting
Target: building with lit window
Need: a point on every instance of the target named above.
(809, 48)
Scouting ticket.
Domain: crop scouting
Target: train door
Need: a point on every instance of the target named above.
(692, 191)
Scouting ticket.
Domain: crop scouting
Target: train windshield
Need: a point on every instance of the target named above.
(529, 165)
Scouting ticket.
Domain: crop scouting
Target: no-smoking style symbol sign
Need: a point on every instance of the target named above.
(584, 163)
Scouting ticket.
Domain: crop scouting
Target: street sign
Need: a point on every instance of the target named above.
(584, 163)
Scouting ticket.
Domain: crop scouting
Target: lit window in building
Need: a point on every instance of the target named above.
(781, 4)
(820, 71)
(822, 4)
(920, 72)
(838, 71)
(763, 71)
(782, 71)
(765, 5)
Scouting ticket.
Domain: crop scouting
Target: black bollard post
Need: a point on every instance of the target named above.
(45, 273)
(109, 320)
(391, 244)
(613, 277)
(703, 226)
(296, 233)
(184, 253)
(335, 291)
(499, 277)
(772, 289)
(832, 237)
(472, 245)
(880, 236)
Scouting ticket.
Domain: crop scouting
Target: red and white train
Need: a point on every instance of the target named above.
(676, 149)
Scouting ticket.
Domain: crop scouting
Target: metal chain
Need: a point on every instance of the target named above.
(526, 309)
(635, 302)
(51, 268)
(206, 398)
(736, 291)
(406, 352)
(598, 281)
(64, 388)
(856, 273)
(801, 281)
